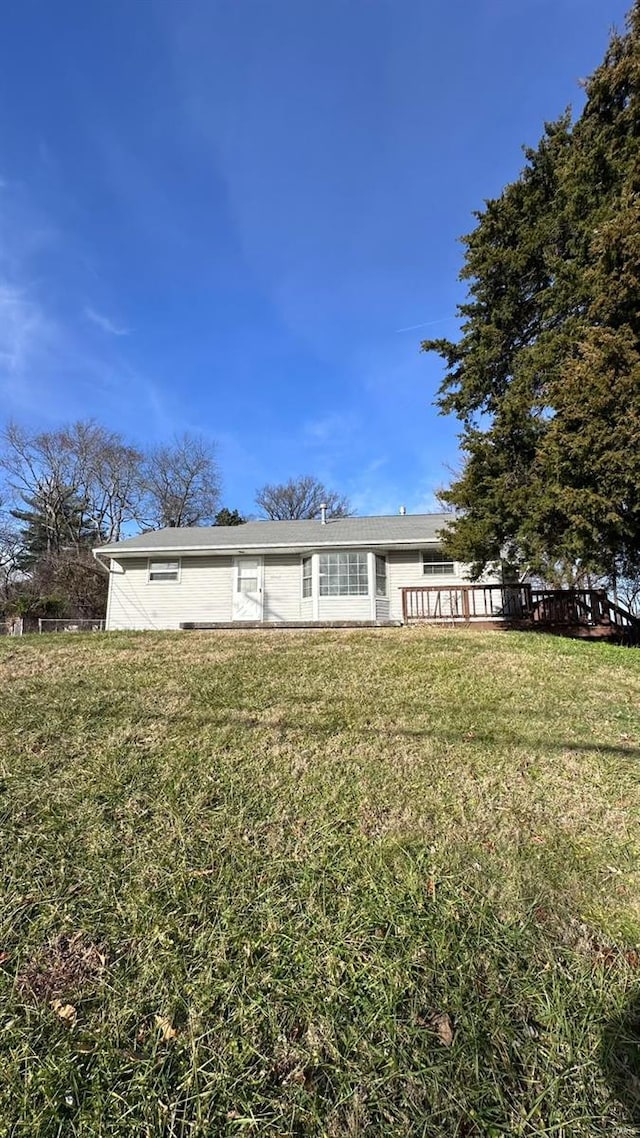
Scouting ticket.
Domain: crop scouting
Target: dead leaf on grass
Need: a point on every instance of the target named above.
(166, 1028)
(5, 957)
(443, 1027)
(66, 1012)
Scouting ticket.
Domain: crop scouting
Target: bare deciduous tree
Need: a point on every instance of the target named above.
(107, 475)
(36, 471)
(10, 550)
(84, 462)
(66, 490)
(300, 498)
(181, 483)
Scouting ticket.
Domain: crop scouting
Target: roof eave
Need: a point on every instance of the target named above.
(280, 547)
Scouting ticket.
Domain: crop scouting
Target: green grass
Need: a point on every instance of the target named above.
(299, 850)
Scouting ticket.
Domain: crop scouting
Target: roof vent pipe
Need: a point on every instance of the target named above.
(403, 510)
(323, 513)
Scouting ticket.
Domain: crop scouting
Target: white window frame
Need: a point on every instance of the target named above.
(306, 557)
(167, 560)
(383, 558)
(344, 553)
(436, 568)
(239, 577)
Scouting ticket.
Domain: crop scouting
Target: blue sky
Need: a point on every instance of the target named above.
(221, 215)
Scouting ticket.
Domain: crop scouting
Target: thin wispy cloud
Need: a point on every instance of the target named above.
(50, 365)
(104, 323)
(334, 429)
(49, 370)
(427, 324)
(24, 329)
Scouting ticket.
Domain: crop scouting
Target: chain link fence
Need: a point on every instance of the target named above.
(11, 626)
(69, 624)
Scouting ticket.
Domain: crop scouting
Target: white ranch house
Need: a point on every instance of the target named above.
(340, 570)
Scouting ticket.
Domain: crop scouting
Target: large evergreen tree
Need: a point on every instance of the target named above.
(52, 523)
(546, 375)
(225, 517)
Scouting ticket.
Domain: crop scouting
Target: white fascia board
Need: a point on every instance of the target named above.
(282, 547)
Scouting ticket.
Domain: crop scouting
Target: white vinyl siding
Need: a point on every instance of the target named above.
(202, 593)
(344, 608)
(282, 587)
(382, 608)
(404, 569)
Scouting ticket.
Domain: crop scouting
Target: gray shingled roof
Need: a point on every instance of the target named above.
(396, 529)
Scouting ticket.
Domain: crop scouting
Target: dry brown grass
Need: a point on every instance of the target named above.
(297, 851)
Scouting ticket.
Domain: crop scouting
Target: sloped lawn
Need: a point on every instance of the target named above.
(329, 883)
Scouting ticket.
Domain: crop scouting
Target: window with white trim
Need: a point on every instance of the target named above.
(307, 577)
(435, 562)
(248, 575)
(343, 575)
(164, 570)
(381, 575)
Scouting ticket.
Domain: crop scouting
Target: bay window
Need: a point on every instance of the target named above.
(343, 574)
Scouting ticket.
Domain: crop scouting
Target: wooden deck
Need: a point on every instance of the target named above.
(583, 613)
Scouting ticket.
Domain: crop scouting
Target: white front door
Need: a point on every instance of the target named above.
(247, 588)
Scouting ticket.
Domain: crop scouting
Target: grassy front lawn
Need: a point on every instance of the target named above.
(333, 883)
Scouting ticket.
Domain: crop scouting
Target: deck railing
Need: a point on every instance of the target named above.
(569, 606)
(519, 605)
(465, 602)
(626, 624)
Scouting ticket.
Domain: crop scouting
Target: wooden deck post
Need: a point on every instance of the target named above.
(465, 603)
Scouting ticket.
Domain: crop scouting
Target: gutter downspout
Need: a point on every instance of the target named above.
(97, 559)
(105, 569)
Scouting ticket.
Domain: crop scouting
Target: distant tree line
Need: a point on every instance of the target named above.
(65, 491)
